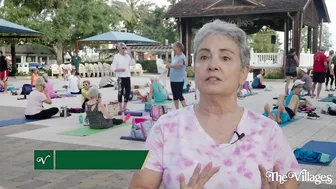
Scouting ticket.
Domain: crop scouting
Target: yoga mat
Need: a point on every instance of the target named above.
(155, 103)
(69, 95)
(319, 146)
(133, 113)
(291, 121)
(249, 94)
(184, 93)
(327, 99)
(86, 131)
(15, 122)
(132, 139)
(18, 121)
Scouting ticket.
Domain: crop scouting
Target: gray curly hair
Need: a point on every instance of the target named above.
(93, 92)
(221, 28)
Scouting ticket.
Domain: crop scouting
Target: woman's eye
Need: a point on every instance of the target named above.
(203, 57)
(225, 58)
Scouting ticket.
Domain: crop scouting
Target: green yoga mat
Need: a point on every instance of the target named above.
(86, 131)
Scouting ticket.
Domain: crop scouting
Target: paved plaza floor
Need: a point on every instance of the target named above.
(18, 142)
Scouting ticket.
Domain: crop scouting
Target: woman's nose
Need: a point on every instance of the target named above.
(213, 65)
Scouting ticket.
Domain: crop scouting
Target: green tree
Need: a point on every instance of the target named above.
(64, 21)
(155, 26)
(326, 37)
(131, 12)
(304, 38)
(261, 41)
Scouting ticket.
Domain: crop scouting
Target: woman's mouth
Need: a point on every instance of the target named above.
(212, 78)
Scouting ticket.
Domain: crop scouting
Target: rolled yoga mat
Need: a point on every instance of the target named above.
(132, 139)
(133, 113)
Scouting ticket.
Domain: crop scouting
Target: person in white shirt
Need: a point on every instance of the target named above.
(74, 83)
(66, 69)
(106, 82)
(121, 66)
(34, 108)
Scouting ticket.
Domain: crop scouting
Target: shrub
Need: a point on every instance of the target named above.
(274, 76)
(22, 74)
(149, 66)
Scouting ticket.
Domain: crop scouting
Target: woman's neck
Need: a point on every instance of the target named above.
(217, 105)
(178, 53)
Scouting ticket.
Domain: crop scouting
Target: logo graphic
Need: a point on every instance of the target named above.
(43, 159)
(303, 176)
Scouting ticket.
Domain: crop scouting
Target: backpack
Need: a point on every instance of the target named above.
(141, 128)
(113, 108)
(157, 111)
(26, 89)
(290, 64)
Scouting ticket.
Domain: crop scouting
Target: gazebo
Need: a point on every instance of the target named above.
(116, 37)
(288, 16)
(9, 30)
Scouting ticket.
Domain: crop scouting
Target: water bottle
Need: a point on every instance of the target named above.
(65, 111)
(81, 120)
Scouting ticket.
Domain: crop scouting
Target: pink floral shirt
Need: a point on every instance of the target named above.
(177, 143)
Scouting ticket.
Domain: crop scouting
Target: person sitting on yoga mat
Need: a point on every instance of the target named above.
(34, 108)
(259, 80)
(106, 82)
(296, 90)
(157, 91)
(49, 87)
(245, 89)
(216, 143)
(85, 91)
(307, 79)
(74, 83)
(34, 76)
(96, 113)
(66, 69)
(283, 113)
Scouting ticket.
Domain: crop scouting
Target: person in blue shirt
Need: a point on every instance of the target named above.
(258, 80)
(178, 74)
(283, 114)
(157, 91)
(296, 90)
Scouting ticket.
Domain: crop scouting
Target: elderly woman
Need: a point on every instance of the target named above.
(85, 91)
(34, 108)
(96, 113)
(216, 143)
(121, 65)
(178, 74)
(49, 87)
(157, 91)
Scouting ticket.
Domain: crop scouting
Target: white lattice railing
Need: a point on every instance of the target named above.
(276, 60)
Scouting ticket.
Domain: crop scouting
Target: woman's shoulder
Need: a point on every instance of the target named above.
(178, 116)
(260, 121)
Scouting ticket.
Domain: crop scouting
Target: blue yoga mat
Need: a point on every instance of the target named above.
(327, 99)
(291, 121)
(15, 122)
(19, 121)
(319, 146)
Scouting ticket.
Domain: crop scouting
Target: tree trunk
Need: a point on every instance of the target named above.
(14, 67)
(58, 48)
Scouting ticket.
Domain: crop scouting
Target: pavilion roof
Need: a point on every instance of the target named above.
(156, 49)
(209, 8)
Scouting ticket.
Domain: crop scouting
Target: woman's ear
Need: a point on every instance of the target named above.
(244, 73)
